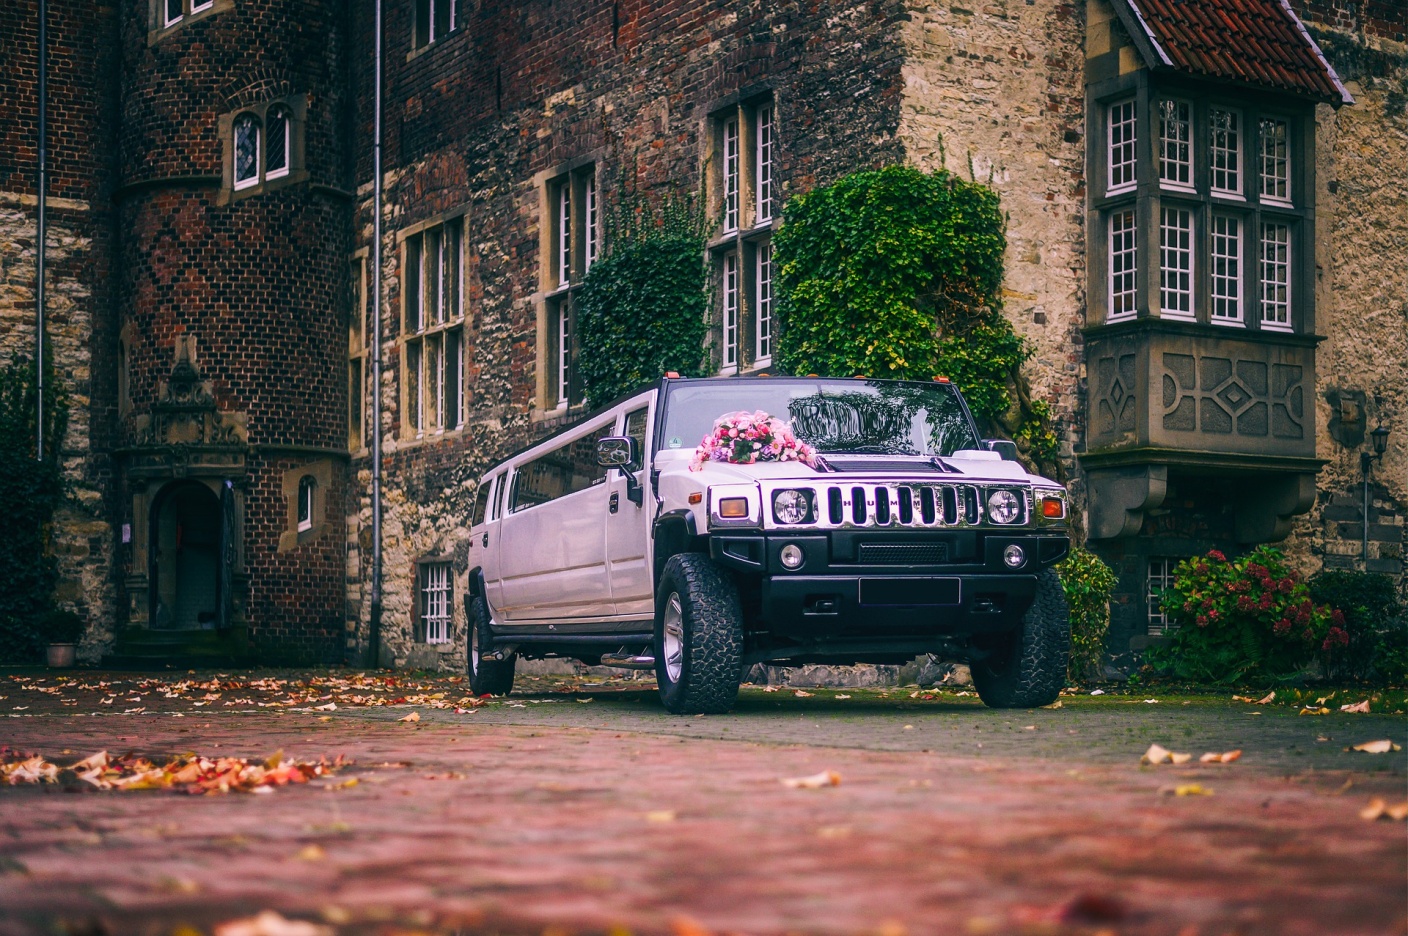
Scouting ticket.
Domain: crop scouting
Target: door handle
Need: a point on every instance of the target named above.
(615, 503)
(485, 541)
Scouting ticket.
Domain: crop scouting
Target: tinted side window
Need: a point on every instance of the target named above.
(481, 502)
(564, 470)
(635, 428)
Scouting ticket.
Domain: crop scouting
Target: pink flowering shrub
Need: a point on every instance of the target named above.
(1246, 619)
(743, 438)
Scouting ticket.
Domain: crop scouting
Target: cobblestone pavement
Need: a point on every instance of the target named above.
(579, 807)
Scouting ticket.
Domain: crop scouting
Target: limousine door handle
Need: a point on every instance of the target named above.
(485, 541)
(615, 503)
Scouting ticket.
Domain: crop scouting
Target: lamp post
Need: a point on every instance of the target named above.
(1379, 437)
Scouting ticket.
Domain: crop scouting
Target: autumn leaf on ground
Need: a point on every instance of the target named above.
(660, 815)
(1267, 699)
(1361, 707)
(1189, 789)
(770, 688)
(1160, 755)
(802, 694)
(1317, 710)
(842, 695)
(330, 707)
(1057, 704)
(1226, 757)
(270, 923)
(1376, 747)
(413, 717)
(814, 782)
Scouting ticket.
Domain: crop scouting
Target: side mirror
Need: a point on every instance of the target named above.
(617, 452)
(1004, 447)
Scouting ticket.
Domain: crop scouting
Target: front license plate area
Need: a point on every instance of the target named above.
(910, 592)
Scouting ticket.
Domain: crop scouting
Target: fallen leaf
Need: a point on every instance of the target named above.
(413, 717)
(1151, 701)
(1179, 758)
(660, 815)
(311, 853)
(770, 688)
(584, 701)
(1361, 708)
(815, 782)
(330, 707)
(842, 695)
(802, 694)
(1097, 692)
(1191, 789)
(1226, 757)
(1029, 727)
(1056, 704)
(1399, 811)
(270, 923)
(1376, 747)
(1319, 710)
(687, 926)
(1268, 698)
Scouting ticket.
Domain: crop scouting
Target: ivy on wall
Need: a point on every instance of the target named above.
(898, 273)
(643, 308)
(31, 491)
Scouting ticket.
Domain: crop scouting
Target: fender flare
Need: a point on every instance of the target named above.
(674, 533)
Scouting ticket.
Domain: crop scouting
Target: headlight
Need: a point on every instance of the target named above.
(791, 506)
(1004, 507)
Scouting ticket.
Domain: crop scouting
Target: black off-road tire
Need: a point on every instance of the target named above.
(486, 677)
(711, 651)
(1026, 667)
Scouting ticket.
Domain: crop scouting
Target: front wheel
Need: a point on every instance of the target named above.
(1026, 667)
(698, 637)
(486, 677)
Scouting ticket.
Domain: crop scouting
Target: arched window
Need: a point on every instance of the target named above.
(306, 486)
(276, 142)
(246, 151)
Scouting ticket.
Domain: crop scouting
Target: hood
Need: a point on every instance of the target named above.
(964, 465)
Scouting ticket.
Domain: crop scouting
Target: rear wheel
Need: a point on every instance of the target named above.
(486, 677)
(1026, 667)
(698, 637)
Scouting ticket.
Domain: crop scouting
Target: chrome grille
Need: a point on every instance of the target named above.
(895, 506)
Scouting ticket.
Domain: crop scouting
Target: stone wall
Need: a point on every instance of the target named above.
(1362, 291)
(995, 93)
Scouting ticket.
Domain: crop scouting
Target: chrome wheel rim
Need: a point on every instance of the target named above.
(673, 648)
(474, 646)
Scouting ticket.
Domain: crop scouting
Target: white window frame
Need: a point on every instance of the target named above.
(430, 36)
(358, 356)
(730, 295)
(563, 220)
(1274, 275)
(1225, 153)
(1176, 263)
(732, 174)
(307, 485)
(762, 305)
(563, 377)
(166, 18)
(200, 6)
(1121, 148)
(763, 154)
(1175, 144)
(433, 304)
(436, 602)
(279, 112)
(1158, 577)
(249, 119)
(1123, 255)
(1274, 169)
(590, 223)
(1225, 263)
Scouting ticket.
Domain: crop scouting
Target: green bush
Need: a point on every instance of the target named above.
(643, 308)
(31, 490)
(1248, 619)
(1088, 583)
(60, 626)
(898, 273)
(1372, 620)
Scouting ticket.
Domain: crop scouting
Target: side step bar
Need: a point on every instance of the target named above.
(628, 661)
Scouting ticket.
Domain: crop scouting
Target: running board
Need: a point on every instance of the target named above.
(628, 661)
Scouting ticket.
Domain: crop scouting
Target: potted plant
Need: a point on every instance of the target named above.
(60, 631)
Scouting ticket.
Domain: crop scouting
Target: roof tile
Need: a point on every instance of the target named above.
(1259, 42)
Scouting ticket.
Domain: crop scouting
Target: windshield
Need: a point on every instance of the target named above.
(872, 416)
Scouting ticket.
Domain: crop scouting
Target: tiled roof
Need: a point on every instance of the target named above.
(1256, 42)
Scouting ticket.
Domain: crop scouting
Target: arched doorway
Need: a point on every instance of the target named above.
(185, 580)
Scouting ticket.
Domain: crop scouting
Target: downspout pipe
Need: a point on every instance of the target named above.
(40, 240)
(374, 622)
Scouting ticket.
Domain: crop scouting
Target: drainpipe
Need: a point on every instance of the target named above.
(40, 240)
(374, 626)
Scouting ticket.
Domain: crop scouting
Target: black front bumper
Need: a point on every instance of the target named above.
(837, 593)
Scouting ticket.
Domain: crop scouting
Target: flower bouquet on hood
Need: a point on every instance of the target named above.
(743, 438)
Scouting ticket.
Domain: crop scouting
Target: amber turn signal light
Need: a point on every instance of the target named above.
(734, 508)
(696, 497)
(1052, 508)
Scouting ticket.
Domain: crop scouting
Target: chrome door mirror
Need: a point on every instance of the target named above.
(616, 452)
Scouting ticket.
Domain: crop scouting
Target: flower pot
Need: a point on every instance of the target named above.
(61, 654)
